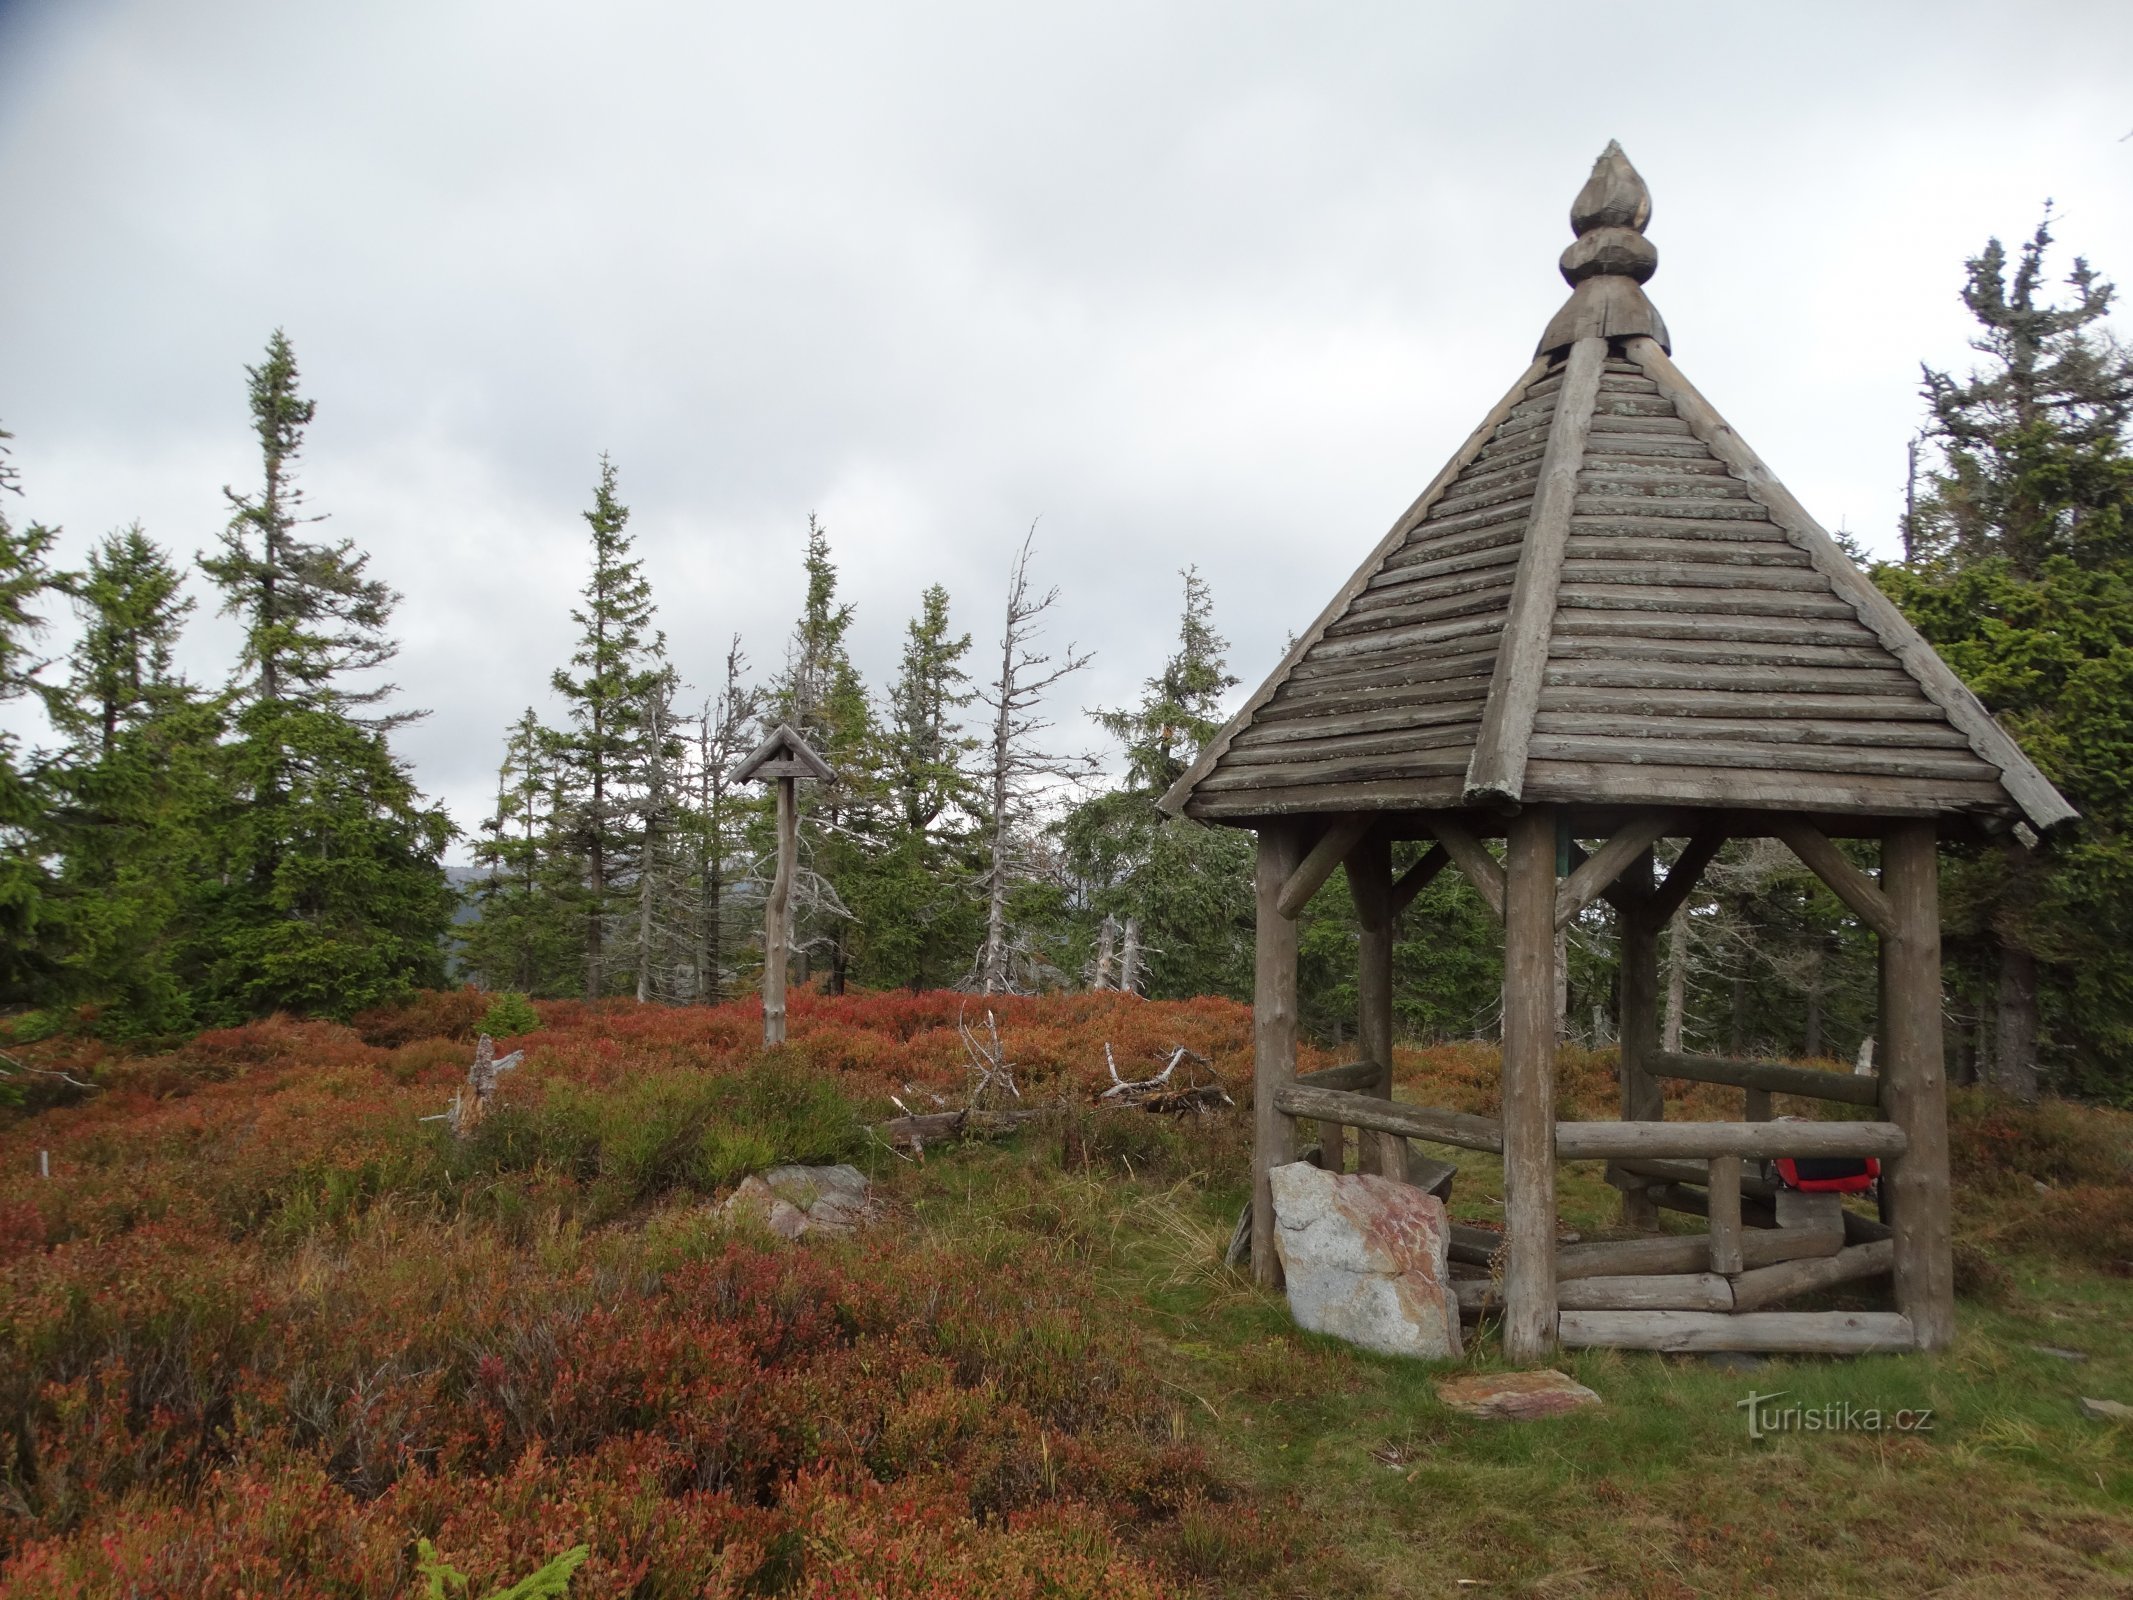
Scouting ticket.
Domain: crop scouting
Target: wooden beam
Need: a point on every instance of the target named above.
(1686, 1252)
(1914, 1085)
(1672, 1291)
(1766, 1286)
(1315, 868)
(1831, 865)
(1642, 1098)
(1826, 1333)
(1773, 1077)
(1482, 870)
(1761, 1141)
(1633, 1257)
(1419, 877)
(1273, 1039)
(1723, 1193)
(1354, 1110)
(1173, 802)
(1608, 863)
(1496, 773)
(1370, 885)
(1529, 1086)
(1685, 874)
(2044, 805)
(1695, 1172)
(777, 915)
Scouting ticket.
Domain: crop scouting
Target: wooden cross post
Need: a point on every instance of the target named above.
(787, 758)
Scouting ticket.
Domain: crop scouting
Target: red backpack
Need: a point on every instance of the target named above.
(1827, 1174)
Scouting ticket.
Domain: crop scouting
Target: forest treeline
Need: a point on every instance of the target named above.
(180, 855)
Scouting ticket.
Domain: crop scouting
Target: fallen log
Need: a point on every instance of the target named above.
(916, 1132)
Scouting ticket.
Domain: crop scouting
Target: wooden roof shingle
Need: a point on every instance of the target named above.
(1605, 598)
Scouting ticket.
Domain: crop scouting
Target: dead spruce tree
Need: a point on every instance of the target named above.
(1019, 772)
(724, 733)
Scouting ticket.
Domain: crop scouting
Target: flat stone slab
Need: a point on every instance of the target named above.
(2106, 1410)
(795, 1201)
(1515, 1396)
(1366, 1260)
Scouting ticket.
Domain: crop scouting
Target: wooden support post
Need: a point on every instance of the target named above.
(1724, 1192)
(1642, 1098)
(1755, 1105)
(1370, 881)
(1529, 1086)
(1914, 1085)
(777, 914)
(1273, 1039)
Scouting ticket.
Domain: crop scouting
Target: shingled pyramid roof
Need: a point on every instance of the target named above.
(1606, 598)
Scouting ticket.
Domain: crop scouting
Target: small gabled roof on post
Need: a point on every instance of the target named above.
(783, 755)
(1605, 598)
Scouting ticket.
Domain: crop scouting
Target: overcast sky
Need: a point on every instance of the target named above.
(1213, 284)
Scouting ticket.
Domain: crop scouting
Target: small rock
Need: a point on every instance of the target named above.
(794, 1201)
(2062, 1354)
(1515, 1396)
(2106, 1410)
(1367, 1260)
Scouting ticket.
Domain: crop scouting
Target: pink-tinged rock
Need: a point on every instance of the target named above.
(1515, 1396)
(1366, 1260)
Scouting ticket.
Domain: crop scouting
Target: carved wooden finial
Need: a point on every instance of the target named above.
(1609, 259)
(1609, 215)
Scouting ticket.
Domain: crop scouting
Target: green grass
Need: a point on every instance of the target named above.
(1659, 1492)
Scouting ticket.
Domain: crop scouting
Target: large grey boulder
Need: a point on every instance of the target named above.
(1366, 1259)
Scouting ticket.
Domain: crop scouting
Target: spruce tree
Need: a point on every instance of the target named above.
(917, 907)
(618, 661)
(719, 816)
(26, 578)
(1187, 887)
(822, 695)
(526, 939)
(333, 895)
(141, 795)
(2022, 577)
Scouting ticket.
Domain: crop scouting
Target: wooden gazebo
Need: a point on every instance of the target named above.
(1604, 625)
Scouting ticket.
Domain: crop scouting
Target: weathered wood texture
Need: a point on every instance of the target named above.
(1355, 1110)
(1497, 770)
(1598, 872)
(2039, 801)
(1724, 1199)
(1643, 1100)
(1482, 870)
(1759, 1247)
(1370, 886)
(1914, 1085)
(1677, 1291)
(777, 914)
(1833, 1333)
(1766, 1286)
(1822, 857)
(1593, 1141)
(1772, 1077)
(1318, 865)
(1273, 1038)
(1529, 1086)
